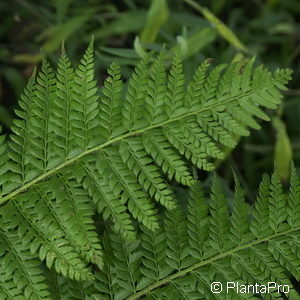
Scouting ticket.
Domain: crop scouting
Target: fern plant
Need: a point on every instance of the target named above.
(203, 243)
(208, 243)
(74, 149)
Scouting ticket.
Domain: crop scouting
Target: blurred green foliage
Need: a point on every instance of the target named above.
(126, 29)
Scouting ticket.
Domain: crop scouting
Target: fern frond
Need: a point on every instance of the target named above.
(213, 113)
(105, 283)
(158, 266)
(115, 153)
(195, 87)
(63, 288)
(8, 290)
(154, 245)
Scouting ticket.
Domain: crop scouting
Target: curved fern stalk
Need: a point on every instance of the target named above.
(118, 151)
(225, 246)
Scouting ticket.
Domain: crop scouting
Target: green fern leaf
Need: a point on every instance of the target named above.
(63, 115)
(260, 225)
(110, 103)
(70, 151)
(22, 269)
(219, 224)
(293, 209)
(85, 104)
(157, 266)
(175, 95)
(137, 90)
(176, 234)
(239, 226)
(156, 92)
(42, 158)
(102, 194)
(197, 221)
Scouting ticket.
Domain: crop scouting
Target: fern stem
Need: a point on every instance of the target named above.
(192, 268)
(114, 140)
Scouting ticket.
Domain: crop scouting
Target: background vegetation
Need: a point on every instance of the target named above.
(127, 28)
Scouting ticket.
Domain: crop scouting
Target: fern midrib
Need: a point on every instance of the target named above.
(117, 139)
(192, 268)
